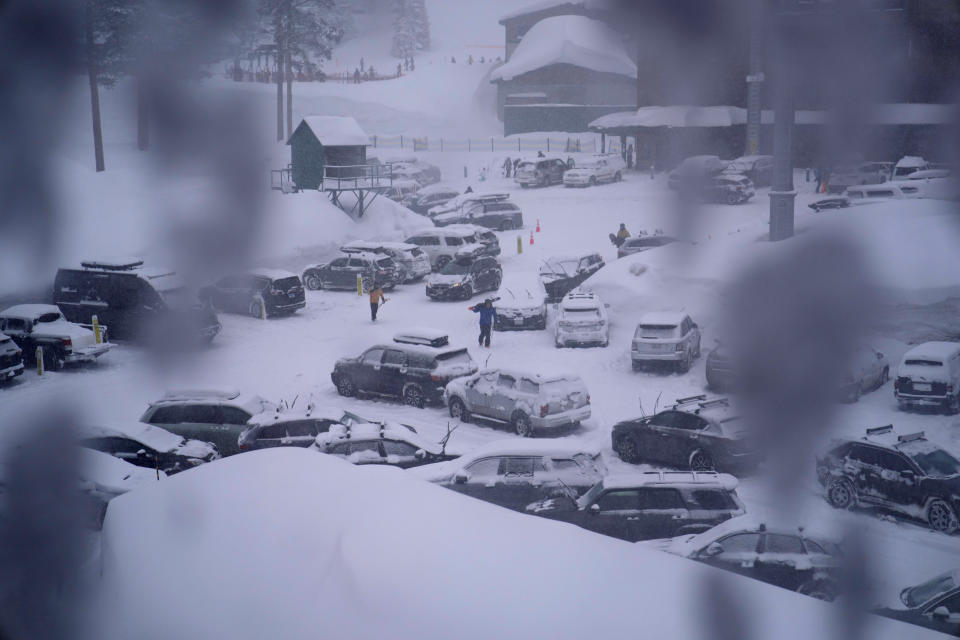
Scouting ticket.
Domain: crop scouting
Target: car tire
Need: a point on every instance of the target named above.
(941, 517)
(496, 283)
(841, 494)
(618, 177)
(685, 364)
(819, 589)
(442, 261)
(346, 387)
(413, 395)
(254, 309)
(628, 449)
(312, 282)
(458, 410)
(521, 424)
(733, 198)
(593, 181)
(700, 460)
(52, 361)
(467, 292)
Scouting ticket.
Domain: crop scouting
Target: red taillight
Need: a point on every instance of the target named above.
(437, 378)
(244, 447)
(543, 410)
(67, 342)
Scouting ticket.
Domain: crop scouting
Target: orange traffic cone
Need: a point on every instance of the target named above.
(538, 225)
(531, 237)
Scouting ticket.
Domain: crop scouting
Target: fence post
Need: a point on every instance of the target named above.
(401, 141)
(548, 144)
(38, 354)
(468, 145)
(491, 144)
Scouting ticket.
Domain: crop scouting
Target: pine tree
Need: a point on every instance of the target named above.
(105, 26)
(421, 22)
(404, 29)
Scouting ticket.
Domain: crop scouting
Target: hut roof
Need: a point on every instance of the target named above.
(335, 131)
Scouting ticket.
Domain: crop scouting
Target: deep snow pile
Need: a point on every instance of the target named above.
(269, 544)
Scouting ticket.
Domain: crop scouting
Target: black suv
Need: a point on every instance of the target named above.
(644, 506)
(501, 215)
(135, 301)
(259, 293)
(429, 197)
(461, 278)
(905, 474)
(695, 433)
(415, 368)
(342, 273)
(562, 274)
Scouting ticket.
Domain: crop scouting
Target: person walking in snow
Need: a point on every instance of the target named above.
(487, 315)
(376, 297)
(361, 65)
(621, 235)
(399, 69)
(356, 76)
(507, 165)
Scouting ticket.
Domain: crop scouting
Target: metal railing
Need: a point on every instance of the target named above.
(572, 144)
(357, 176)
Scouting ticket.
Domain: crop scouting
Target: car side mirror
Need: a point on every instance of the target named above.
(941, 613)
(879, 356)
(908, 474)
(420, 454)
(713, 549)
(142, 452)
(594, 508)
(460, 478)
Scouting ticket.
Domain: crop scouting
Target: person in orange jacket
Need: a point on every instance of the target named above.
(376, 297)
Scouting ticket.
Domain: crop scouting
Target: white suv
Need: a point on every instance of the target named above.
(443, 245)
(582, 320)
(669, 336)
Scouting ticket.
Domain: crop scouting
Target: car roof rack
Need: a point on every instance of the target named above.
(875, 431)
(911, 437)
(690, 399)
(122, 264)
(425, 340)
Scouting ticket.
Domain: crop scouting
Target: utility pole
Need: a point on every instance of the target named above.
(782, 194)
(755, 78)
(91, 50)
(288, 54)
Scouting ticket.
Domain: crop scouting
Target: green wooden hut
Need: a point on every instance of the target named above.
(322, 141)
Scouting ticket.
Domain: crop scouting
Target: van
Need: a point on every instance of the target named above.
(929, 375)
(136, 302)
(908, 165)
(885, 191)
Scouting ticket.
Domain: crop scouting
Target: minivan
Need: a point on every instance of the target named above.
(929, 375)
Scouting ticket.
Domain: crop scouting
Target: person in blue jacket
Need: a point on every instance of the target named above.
(487, 316)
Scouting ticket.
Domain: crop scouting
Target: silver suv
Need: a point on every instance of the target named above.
(525, 401)
(669, 336)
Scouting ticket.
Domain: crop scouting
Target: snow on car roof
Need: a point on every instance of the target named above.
(375, 244)
(783, 523)
(336, 130)
(924, 174)
(690, 478)
(438, 187)
(527, 447)
(288, 415)
(456, 231)
(932, 351)
(911, 161)
(663, 317)
(535, 376)
(29, 311)
(578, 299)
(570, 39)
(208, 393)
(373, 431)
(272, 274)
(154, 437)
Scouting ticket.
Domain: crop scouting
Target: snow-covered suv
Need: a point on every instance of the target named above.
(521, 303)
(929, 376)
(364, 443)
(525, 401)
(442, 245)
(595, 170)
(581, 320)
(499, 214)
(62, 342)
(665, 336)
(411, 262)
(11, 359)
(342, 272)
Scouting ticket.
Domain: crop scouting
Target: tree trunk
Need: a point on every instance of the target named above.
(143, 115)
(94, 89)
(289, 67)
(278, 60)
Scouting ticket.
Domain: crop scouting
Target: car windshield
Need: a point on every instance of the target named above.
(581, 314)
(924, 592)
(457, 268)
(915, 362)
(937, 463)
(53, 316)
(460, 357)
(657, 331)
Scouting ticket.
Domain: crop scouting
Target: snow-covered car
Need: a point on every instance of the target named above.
(11, 359)
(487, 239)
(693, 171)
(466, 199)
(648, 505)
(837, 202)
(429, 197)
(934, 604)
(411, 262)
(415, 367)
(365, 443)
(515, 473)
(562, 274)
(525, 401)
(727, 188)
(863, 173)
(665, 336)
(342, 273)
(299, 428)
(867, 370)
(695, 433)
(401, 189)
(443, 245)
(217, 416)
(61, 342)
(521, 303)
(423, 173)
(581, 320)
(794, 559)
(464, 277)
(908, 165)
(267, 292)
(758, 168)
(500, 214)
(906, 474)
(719, 368)
(929, 376)
(595, 170)
(540, 172)
(865, 194)
(145, 445)
(639, 244)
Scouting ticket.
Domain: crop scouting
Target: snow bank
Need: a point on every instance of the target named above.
(268, 544)
(575, 40)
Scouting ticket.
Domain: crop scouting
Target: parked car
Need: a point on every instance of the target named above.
(415, 169)
(720, 371)
(363, 444)
(908, 165)
(299, 428)
(464, 277)
(930, 174)
(525, 401)
(665, 336)
(905, 474)
(858, 174)
(581, 320)
(401, 189)
(695, 433)
(136, 302)
(410, 261)
(342, 273)
(562, 274)
(487, 239)
(693, 171)
(515, 473)
(499, 214)
(595, 170)
(415, 367)
(934, 604)
(652, 504)
(268, 292)
(758, 168)
(541, 172)
(466, 199)
(790, 558)
(639, 244)
(442, 245)
(521, 303)
(430, 196)
(838, 202)
(145, 445)
(867, 370)
(11, 359)
(727, 188)
(210, 415)
(865, 194)
(929, 376)
(61, 342)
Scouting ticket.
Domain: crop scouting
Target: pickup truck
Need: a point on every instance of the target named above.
(62, 342)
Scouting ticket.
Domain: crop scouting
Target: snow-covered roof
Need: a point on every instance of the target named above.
(335, 131)
(663, 317)
(456, 231)
(287, 415)
(911, 161)
(546, 5)
(113, 475)
(272, 274)
(372, 245)
(527, 447)
(574, 40)
(534, 376)
(154, 437)
(579, 299)
(29, 311)
(673, 116)
(373, 431)
(932, 351)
